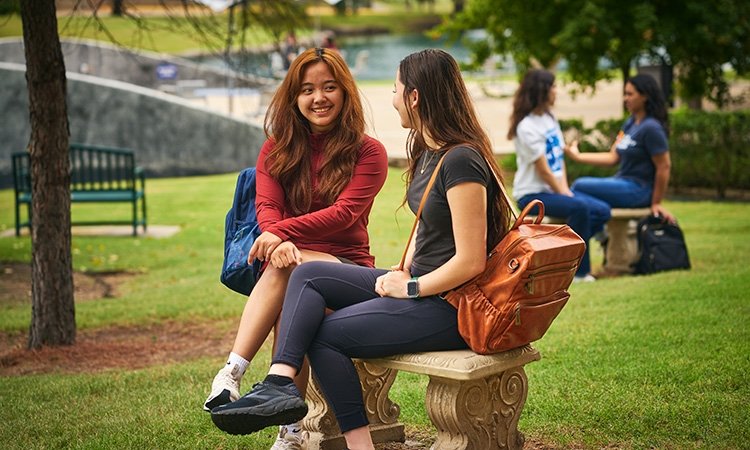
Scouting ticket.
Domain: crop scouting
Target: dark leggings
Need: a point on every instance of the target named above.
(363, 325)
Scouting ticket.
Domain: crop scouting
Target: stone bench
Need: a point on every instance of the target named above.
(622, 247)
(474, 401)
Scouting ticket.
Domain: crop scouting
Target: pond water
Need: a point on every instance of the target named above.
(369, 57)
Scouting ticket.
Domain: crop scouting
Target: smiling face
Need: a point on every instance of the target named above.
(635, 102)
(321, 98)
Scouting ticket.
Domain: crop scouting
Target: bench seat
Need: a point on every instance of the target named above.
(474, 401)
(105, 196)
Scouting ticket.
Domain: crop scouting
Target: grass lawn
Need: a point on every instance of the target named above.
(660, 361)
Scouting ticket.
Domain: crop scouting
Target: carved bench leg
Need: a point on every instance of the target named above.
(478, 414)
(622, 248)
(381, 411)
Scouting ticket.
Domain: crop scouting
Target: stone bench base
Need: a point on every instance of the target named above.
(474, 401)
(622, 247)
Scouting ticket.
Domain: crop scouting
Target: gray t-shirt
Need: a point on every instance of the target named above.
(435, 243)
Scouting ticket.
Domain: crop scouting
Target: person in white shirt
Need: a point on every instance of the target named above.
(541, 165)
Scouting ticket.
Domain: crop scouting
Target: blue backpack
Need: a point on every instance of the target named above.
(241, 229)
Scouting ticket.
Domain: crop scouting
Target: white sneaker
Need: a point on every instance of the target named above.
(225, 387)
(291, 441)
(588, 278)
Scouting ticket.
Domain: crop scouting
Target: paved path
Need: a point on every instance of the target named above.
(494, 112)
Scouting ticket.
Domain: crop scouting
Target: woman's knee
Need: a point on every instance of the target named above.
(308, 270)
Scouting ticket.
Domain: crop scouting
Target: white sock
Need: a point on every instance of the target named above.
(234, 358)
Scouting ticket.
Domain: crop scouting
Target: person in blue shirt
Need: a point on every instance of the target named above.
(641, 149)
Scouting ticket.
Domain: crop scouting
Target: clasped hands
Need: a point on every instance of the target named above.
(280, 254)
(393, 284)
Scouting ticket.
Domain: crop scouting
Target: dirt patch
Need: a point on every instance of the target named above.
(121, 347)
(125, 347)
(15, 278)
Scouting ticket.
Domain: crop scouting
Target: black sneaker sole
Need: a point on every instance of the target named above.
(246, 421)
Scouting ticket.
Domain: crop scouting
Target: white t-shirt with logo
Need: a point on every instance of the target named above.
(537, 136)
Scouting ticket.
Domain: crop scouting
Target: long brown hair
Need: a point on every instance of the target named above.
(446, 113)
(289, 160)
(533, 91)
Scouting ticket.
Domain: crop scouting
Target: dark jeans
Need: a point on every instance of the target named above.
(586, 215)
(363, 325)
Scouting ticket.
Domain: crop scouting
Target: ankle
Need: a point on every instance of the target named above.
(278, 380)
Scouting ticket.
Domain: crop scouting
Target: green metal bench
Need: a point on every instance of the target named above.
(98, 175)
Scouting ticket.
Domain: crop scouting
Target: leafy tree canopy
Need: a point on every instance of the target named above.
(699, 38)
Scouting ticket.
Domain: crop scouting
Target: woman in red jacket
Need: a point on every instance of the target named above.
(317, 177)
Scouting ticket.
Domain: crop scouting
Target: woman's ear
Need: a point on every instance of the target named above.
(413, 98)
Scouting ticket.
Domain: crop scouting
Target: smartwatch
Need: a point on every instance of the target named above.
(412, 287)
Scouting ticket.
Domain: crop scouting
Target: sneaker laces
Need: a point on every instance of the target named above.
(287, 440)
(227, 377)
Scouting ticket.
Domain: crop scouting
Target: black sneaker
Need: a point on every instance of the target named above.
(265, 405)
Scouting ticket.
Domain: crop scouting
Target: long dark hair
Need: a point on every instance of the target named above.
(533, 91)
(446, 113)
(656, 106)
(289, 160)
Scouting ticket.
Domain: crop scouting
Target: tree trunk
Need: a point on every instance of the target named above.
(53, 308)
(458, 7)
(118, 8)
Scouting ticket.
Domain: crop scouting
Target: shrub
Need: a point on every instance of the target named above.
(708, 149)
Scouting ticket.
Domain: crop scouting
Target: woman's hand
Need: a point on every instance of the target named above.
(659, 211)
(571, 150)
(286, 254)
(263, 247)
(393, 284)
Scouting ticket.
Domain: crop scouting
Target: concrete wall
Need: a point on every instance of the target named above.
(171, 136)
(108, 61)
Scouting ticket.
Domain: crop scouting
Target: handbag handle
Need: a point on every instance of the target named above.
(518, 216)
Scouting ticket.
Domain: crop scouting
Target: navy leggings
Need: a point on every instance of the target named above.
(362, 325)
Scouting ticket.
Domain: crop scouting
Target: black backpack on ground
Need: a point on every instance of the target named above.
(661, 246)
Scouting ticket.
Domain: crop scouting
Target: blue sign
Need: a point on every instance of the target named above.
(166, 71)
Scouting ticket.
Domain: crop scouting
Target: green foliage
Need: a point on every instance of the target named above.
(10, 7)
(707, 149)
(701, 37)
(698, 37)
(710, 149)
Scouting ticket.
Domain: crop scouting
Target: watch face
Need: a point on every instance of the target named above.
(412, 288)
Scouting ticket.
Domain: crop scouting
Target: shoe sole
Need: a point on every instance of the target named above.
(249, 420)
(222, 399)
